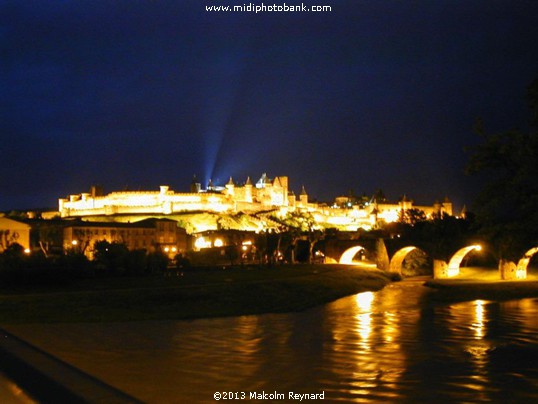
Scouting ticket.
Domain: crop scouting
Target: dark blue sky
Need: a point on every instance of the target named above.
(139, 93)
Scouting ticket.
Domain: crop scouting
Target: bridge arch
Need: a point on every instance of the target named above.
(454, 263)
(399, 257)
(523, 263)
(348, 255)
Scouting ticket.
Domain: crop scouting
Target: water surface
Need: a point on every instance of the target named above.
(394, 345)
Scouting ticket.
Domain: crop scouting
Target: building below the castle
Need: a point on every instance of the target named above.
(14, 231)
(149, 234)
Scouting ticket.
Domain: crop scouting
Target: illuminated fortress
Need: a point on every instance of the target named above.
(266, 194)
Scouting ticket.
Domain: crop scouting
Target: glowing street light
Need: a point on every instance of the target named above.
(201, 243)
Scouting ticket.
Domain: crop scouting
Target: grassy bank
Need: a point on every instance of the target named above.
(195, 294)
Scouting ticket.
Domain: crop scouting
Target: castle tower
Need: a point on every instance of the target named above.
(163, 189)
(262, 182)
(230, 187)
(96, 190)
(291, 199)
(284, 182)
(437, 208)
(405, 203)
(303, 197)
(248, 190)
(447, 206)
(195, 185)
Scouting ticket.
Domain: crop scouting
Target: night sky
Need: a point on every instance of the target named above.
(133, 94)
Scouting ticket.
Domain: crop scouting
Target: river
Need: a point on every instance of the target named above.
(395, 345)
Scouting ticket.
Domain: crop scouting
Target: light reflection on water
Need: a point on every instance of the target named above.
(394, 345)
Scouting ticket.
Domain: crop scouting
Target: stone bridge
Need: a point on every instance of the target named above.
(390, 254)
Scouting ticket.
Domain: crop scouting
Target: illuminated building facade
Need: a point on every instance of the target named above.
(266, 194)
(150, 235)
(14, 232)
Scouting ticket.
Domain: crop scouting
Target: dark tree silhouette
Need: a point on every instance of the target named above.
(507, 207)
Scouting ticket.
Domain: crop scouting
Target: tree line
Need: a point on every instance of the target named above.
(110, 259)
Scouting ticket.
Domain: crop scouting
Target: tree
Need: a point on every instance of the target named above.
(232, 253)
(111, 257)
(48, 235)
(507, 207)
(412, 216)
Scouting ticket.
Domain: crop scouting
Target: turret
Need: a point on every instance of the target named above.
(303, 197)
(230, 187)
(437, 209)
(447, 206)
(163, 189)
(96, 190)
(195, 185)
(248, 190)
(291, 199)
(405, 203)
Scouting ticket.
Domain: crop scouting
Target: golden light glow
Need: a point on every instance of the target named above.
(397, 260)
(364, 300)
(478, 325)
(218, 242)
(521, 273)
(27, 251)
(390, 216)
(74, 242)
(349, 254)
(364, 320)
(201, 243)
(455, 261)
(451, 272)
(523, 263)
(18, 392)
(267, 194)
(390, 329)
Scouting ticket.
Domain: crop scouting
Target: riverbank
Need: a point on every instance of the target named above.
(191, 294)
(482, 283)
